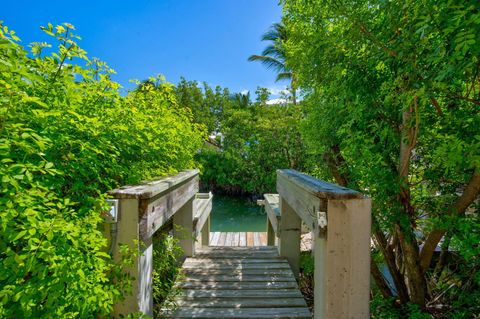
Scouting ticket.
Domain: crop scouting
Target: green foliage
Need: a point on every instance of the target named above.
(166, 270)
(258, 139)
(206, 104)
(385, 308)
(391, 102)
(67, 136)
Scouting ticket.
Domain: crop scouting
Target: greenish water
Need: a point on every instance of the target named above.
(236, 214)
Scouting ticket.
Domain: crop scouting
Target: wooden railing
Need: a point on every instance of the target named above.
(143, 210)
(339, 219)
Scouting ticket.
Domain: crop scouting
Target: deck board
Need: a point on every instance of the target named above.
(238, 239)
(238, 282)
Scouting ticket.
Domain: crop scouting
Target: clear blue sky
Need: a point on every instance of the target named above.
(203, 40)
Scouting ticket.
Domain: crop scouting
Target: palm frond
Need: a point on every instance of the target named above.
(275, 51)
(269, 62)
(276, 33)
(284, 76)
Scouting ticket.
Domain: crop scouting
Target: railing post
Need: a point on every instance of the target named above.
(342, 261)
(143, 210)
(183, 228)
(206, 233)
(142, 268)
(289, 236)
(270, 233)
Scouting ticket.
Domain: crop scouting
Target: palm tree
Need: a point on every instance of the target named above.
(273, 56)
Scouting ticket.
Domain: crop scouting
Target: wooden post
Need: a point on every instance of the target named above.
(342, 261)
(125, 234)
(289, 236)
(183, 228)
(144, 209)
(270, 234)
(206, 232)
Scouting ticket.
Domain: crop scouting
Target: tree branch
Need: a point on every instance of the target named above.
(466, 199)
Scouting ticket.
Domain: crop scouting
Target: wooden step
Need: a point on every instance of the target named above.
(240, 302)
(251, 293)
(238, 277)
(238, 282)
(279, 313)
(240, 285)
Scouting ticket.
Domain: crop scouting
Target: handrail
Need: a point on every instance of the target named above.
(339, 219)
(150, 189)
(148, 207)
(316, 187)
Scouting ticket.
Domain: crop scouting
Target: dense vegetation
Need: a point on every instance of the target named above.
(256, 138)
(67, 136)
(391, 96)
(390, 100)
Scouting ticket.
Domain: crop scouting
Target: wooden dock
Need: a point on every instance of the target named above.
(238, 239)
(239, 282)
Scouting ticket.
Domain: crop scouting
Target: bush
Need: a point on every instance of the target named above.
(68, 136)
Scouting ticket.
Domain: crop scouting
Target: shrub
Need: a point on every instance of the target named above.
(68, 136)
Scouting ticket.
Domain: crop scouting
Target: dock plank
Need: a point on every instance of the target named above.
(188, 312)
(238, 282)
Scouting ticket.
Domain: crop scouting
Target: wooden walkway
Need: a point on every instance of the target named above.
(239, 282)
(241, 239)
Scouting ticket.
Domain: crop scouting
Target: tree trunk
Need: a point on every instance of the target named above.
(466, 199)
(416, 282)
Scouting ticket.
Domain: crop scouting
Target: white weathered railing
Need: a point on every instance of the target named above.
(146, 208)
(339, 219)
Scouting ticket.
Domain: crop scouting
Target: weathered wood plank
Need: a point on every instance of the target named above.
(244, 271)
(222, 239)
(280, 293)
(262, 238)
(232, 261)
(202, 209)
(236, 253)
(239, 285)
(243, 239)
(241, 302)
(150, 189)
(214, 236)
(249, 239)
(236, 266)
(279, 313)
(238, 277)
(289, 240)
(238, 249)
(272, 207)
(316, 187)
(237, 239)
(305, 204)
(157, 212)
(256, 239)
(229, 239)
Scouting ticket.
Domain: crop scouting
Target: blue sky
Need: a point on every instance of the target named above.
(203, 40)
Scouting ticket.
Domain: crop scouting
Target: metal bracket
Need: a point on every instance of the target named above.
(322, 219)
(322, 224)
(111, 215)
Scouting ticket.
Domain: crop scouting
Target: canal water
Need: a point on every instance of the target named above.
(237, 214)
